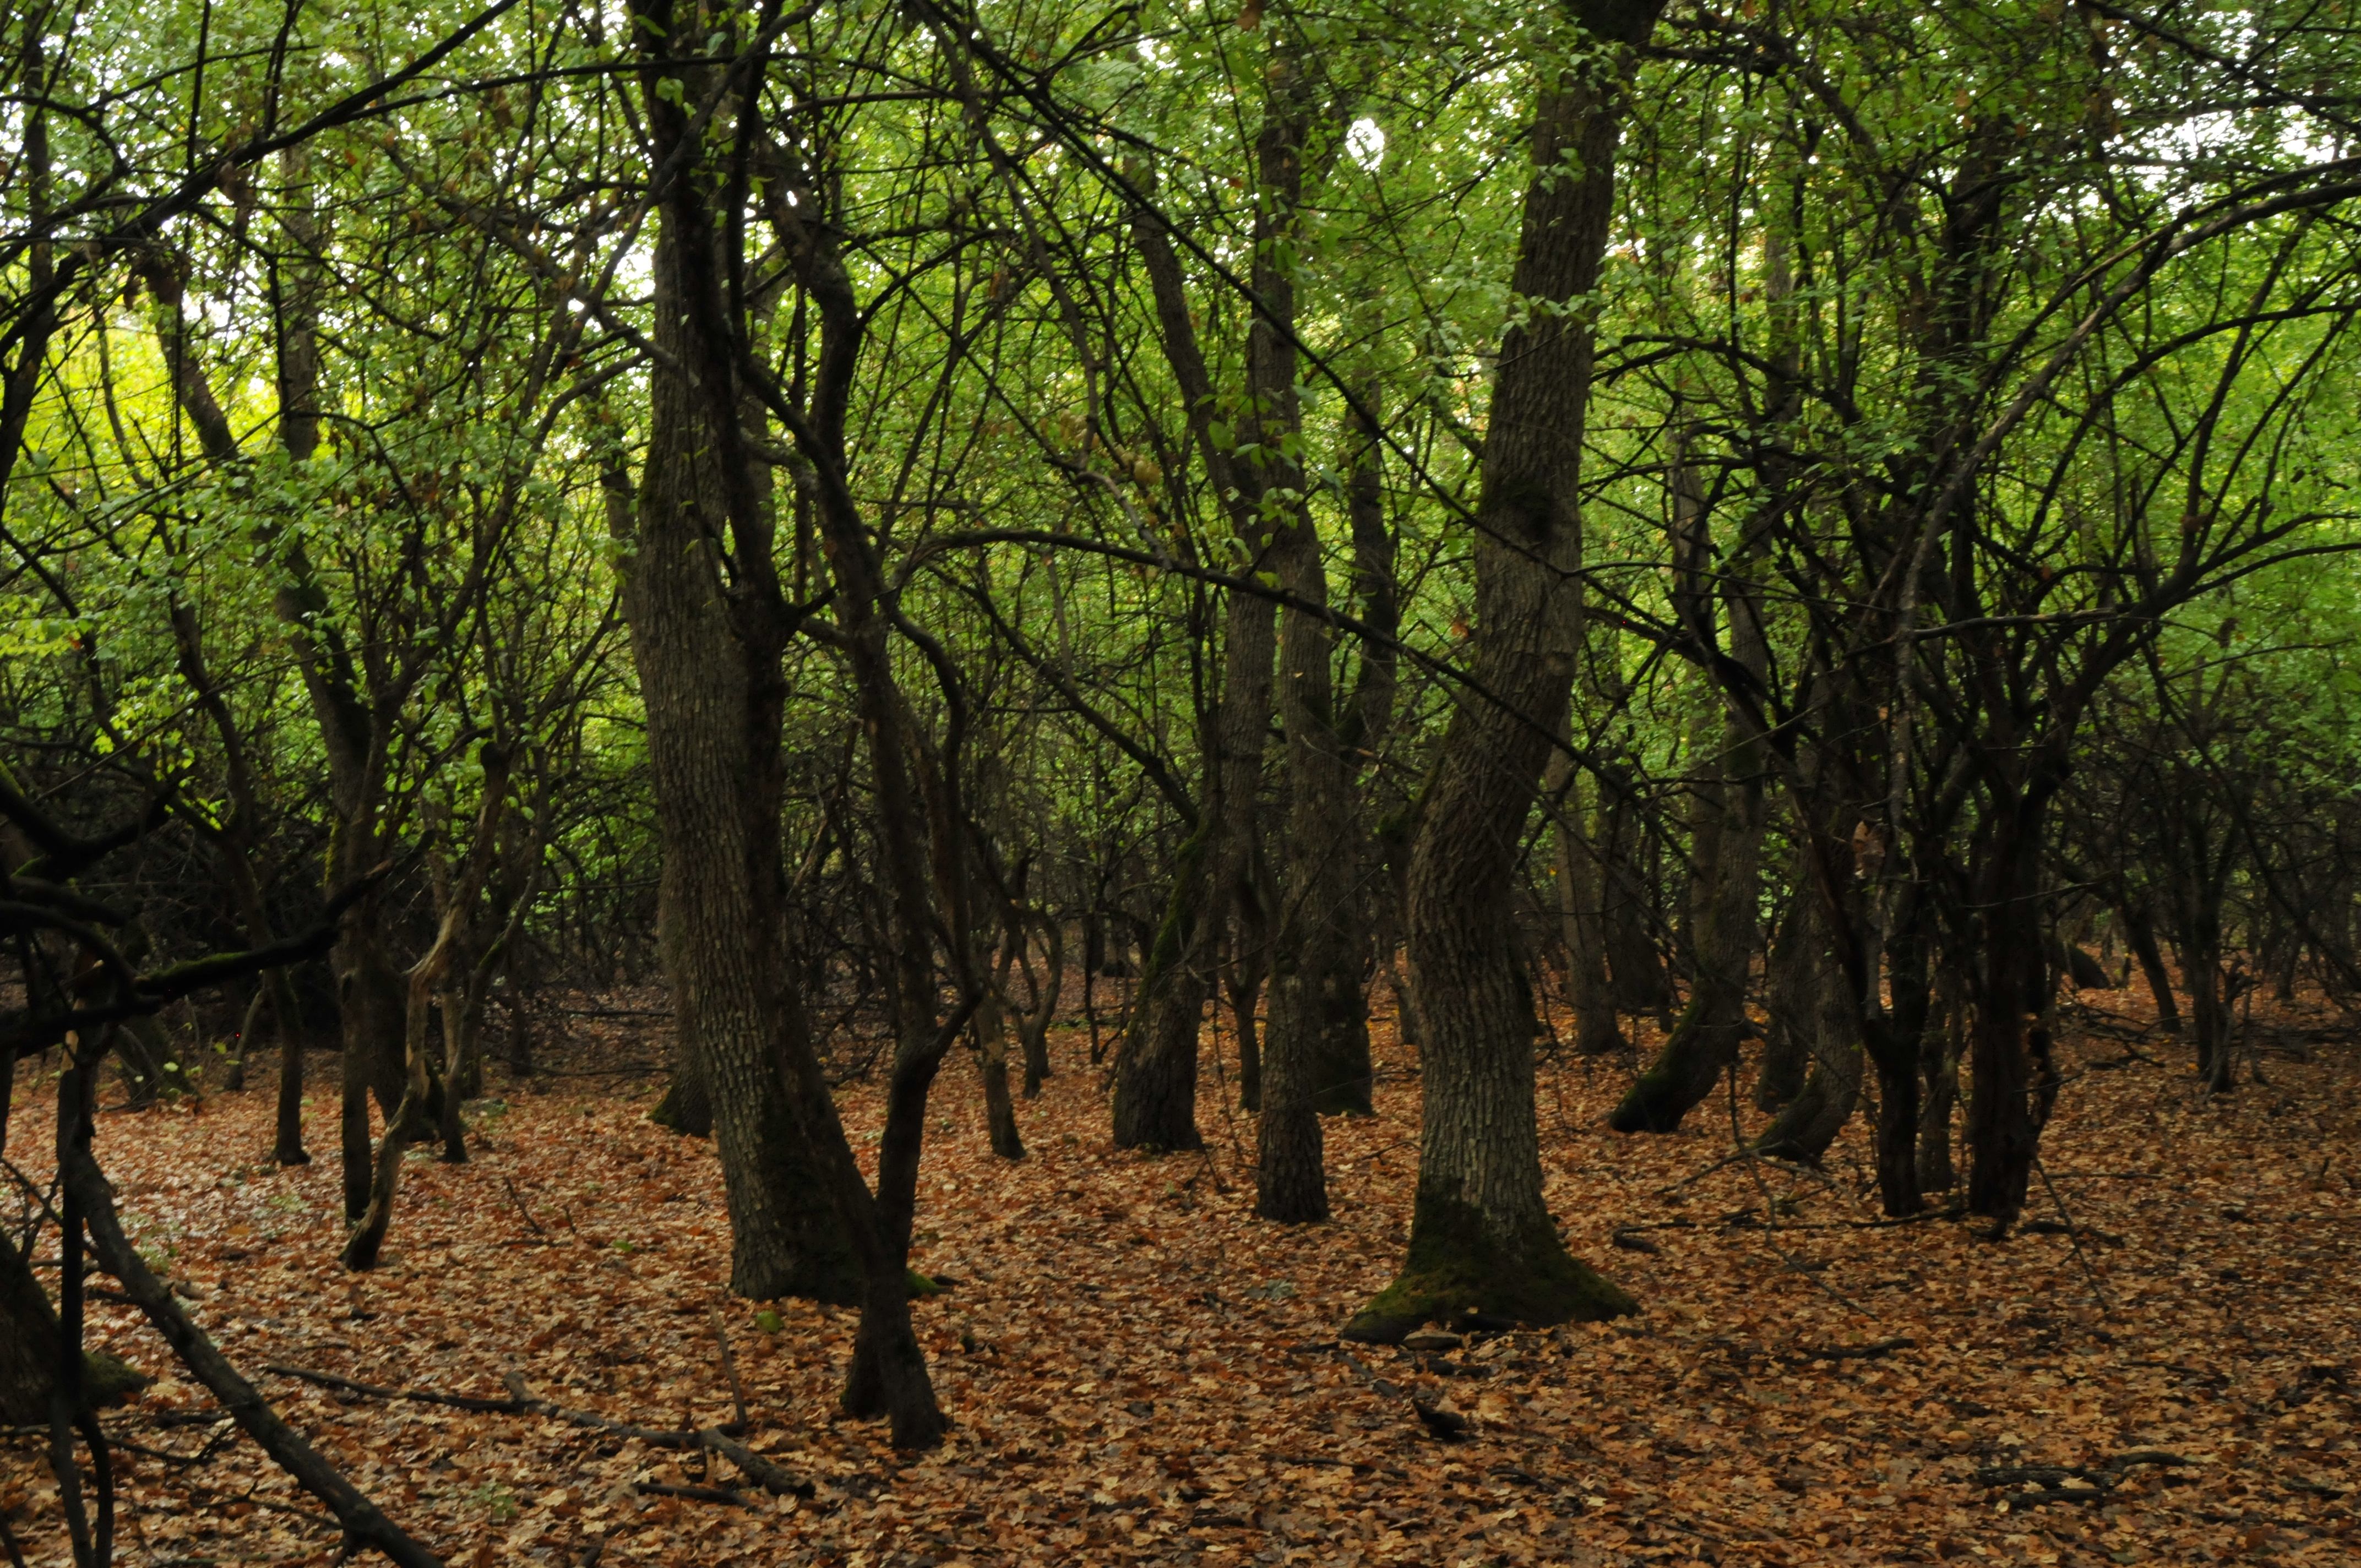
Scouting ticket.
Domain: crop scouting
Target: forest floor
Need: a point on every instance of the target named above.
(1138, 1370)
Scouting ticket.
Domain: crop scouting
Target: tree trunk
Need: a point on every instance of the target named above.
(1940, 1051)
(2139, 933)
(1156, 1066)
(1829, 1023)
(1895, 1045)
(2007, 981)
(707, 657)
(1790, 975)
(1033, 1021)
(1481, 1237)
(1588, 992)
(991, 1026)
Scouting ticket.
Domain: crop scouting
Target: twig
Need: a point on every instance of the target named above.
(695, 1494)
(519, 1199)
(2073, 1235)
(765, 1473)
(729, 1366)
(423, 1395)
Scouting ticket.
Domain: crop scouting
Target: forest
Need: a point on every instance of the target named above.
(969, 782)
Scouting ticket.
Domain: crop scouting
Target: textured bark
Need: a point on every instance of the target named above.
(1481, 1236)
(31, 1343)
(707, 653)
(1317, 1056)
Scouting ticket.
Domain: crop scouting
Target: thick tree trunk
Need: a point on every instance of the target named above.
(708, 666)
(1481, 1237)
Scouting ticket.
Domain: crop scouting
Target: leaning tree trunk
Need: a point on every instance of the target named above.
(1481, 1236)
(2139, 933)
(1725, 847)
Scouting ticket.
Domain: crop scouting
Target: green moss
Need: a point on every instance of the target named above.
(1456, 1267)
(107, 1380)
(920, 1285)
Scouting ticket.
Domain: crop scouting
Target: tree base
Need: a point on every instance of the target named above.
(1458, 1269)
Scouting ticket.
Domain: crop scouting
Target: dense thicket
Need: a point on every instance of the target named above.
(1799, 521)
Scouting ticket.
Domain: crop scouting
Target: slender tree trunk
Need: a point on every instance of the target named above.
(991, 1026)
(1596, 1031)
(2007, 982)
(1940, 1051)
(2139, 933)
(1156, 1066)
(1829, 1023)
(1790, 974)
(1033, 1022)
(1481, 1237)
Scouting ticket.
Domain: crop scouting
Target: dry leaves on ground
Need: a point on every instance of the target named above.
(1139, 1370)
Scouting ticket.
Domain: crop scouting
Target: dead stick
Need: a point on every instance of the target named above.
(730, 1365)
(765, 1474)
(361, 1519)
(423, 1395)
(519, 1198)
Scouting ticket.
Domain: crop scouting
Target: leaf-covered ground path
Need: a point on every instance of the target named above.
(1138, 1370)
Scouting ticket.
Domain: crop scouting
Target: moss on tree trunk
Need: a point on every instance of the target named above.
(1461, 1266)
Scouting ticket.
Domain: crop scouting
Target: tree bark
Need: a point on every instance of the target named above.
(708, 643)
(1596, 1031)
(1481, 1236)
(1828, 1024)
(1726, 849)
